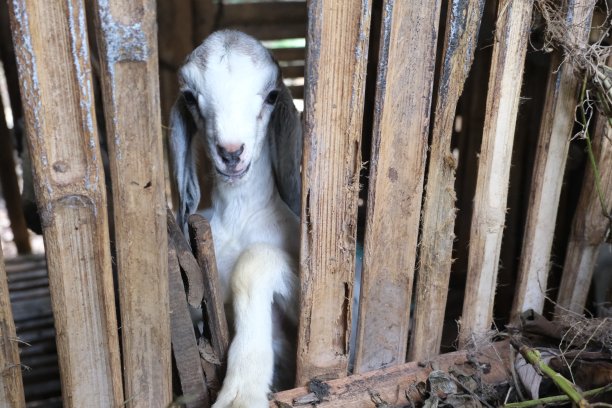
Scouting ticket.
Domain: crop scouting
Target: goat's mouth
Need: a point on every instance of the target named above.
(231, 176)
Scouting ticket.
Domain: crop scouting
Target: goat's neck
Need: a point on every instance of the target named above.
(237, 200)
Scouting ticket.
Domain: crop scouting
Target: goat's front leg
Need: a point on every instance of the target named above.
(260, 272)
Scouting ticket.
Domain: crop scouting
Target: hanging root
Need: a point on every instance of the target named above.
(588, 59)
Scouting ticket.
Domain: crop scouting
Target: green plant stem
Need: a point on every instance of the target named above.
(557, 398)
(596, 174)
(533, 357)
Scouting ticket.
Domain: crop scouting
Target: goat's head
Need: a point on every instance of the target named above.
(229, 89)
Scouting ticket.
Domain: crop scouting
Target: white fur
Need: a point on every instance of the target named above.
(255, 233)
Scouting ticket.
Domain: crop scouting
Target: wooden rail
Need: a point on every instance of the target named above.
(334, 91)
(406, 66)
(547, 178)
(55, 79)
(126, 33)
(463, 23)
(489, 213)
(11, 383)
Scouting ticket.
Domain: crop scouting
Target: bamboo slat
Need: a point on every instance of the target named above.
(127, 39)
(438, 220)
(589, 227)
(55, 79)
(489, 213)
(547, 178)
(184, 347)
(11, 383)
(401, 129)
(393, 385)
(337, 54)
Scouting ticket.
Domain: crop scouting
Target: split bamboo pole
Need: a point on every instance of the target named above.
(590, 226)
(337, 45)
(401, 130)
(463, 23)
(11, 382)
(127, 39)
(547, 178)
(55, 78)
(489, 213)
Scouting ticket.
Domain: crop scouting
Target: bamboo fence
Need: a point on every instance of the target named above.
(417, 60)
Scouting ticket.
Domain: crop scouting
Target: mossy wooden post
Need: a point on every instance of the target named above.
(337, 44)
(489, 213)
(590, 226)
(55, 80)
(401, 129)
(547, 178)
(463, 23)
(127, 38)
(11, 383)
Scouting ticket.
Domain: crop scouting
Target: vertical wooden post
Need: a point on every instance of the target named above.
(589, 227)
(337, 43)
(11, 383)
(10, 188)
(488, 217)
(55, 79)
(127, 38)
(401, 129)
(437, 234)
(551, 155)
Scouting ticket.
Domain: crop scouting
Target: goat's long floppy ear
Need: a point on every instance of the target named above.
(182, 151)
(285, 131)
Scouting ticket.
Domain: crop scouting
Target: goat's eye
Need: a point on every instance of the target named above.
(271, 98)
(190, 98)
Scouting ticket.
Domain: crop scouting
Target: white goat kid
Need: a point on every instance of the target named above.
(233, 101)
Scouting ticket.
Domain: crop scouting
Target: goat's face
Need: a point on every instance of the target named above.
(230, 84)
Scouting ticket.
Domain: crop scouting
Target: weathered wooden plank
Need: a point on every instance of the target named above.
(10, 188)
(338, 34)
(489, 211)
(184, 347)
(289, 54)
(547, 178)
(392, 384)
(273, 31)
(265, 12)
(202, 244)
(11, 383)
(438, 219)
(590, 226)
(407, 60)
(127, 39)
(191, 269)
(53, 59)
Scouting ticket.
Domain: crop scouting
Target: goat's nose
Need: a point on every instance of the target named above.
(230, 154)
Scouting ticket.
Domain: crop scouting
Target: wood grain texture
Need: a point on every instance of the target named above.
(490, 201)
(438, 219)
(55, 79)
(127, 39)
(337, 46)
(401, 129)
(11, 382)
(589, 227)
(184, 346)
(202, 244)
(547, 178)
(392, 384)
